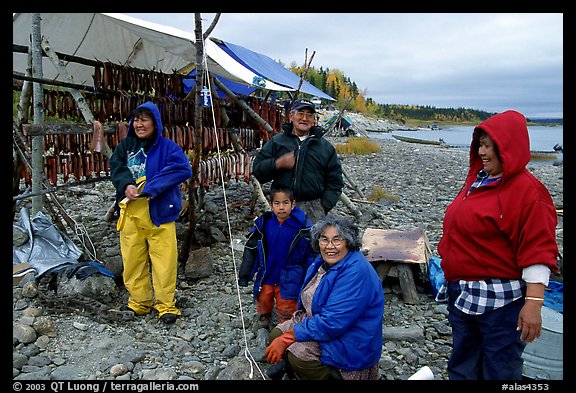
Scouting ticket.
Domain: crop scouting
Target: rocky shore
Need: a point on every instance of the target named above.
(217, 336)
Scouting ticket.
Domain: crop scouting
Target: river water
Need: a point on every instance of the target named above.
(542, 138)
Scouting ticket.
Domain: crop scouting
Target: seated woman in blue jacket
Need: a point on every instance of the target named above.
(336, 333)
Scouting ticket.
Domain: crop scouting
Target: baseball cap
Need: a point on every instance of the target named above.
(303, 103)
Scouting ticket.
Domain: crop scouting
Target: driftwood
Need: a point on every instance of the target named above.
(259, 193)
(352, 184)
(346, 201)
(223, 114)
(51, 82)
(363, 201)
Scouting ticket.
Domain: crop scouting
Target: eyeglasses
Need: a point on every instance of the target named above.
(309, 115)
(336, 241)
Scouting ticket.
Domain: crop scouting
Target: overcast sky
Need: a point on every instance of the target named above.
(487, 61)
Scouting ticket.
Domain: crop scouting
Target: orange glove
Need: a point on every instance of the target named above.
(277, 347)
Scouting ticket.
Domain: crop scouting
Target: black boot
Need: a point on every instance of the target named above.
(277, 371)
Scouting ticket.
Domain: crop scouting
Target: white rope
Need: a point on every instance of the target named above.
(247, 352)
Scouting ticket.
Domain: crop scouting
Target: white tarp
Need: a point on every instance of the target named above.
(106, 37)
(127, 41)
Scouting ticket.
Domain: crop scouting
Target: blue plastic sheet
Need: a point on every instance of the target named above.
(435, 275)
(553, 295)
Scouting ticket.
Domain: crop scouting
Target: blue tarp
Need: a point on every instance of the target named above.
(435, 275)
(553, 295)
(270, 69)
(236, 88)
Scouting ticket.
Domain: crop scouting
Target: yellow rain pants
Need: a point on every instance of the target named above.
(147, 249)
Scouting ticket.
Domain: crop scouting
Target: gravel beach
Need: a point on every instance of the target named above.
(211, 340)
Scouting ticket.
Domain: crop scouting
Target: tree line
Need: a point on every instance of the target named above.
(337, 85)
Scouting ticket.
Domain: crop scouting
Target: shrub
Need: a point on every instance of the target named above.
(357, 145)
(380, 193)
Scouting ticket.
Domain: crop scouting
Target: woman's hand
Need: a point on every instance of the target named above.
(276, 349)
(131, 192)
(530, 321)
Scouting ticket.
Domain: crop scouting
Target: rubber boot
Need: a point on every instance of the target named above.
(277, 371)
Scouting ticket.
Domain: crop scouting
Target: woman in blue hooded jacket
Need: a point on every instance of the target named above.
(146, 170)
(337, 331)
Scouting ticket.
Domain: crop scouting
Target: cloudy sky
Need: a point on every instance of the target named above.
(486, 61)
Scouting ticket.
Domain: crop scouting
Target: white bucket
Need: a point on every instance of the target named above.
(544, 357)
(423, 373)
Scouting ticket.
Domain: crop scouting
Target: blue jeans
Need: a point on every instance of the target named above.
(487, 346)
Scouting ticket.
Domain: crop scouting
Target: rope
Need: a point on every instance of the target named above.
(247, 352)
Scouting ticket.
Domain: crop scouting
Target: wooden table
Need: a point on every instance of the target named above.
(393, 252)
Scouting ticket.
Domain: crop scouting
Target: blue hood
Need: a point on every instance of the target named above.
(155, 116)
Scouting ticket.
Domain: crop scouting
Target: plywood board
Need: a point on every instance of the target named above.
(397, 246)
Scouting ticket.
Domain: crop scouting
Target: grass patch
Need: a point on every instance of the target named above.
(379, 193)
(357, 145)
(542, 156)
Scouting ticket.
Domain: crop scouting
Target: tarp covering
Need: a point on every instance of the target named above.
(553, 294)
(344, 121)
(265, 66)
(103, 37)
(235, 87)
(128, 41)
(46, 247)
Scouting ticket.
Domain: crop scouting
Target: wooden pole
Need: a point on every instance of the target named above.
(22, 117)
(302, 77)
(244, 106)
(192, 203)
(38, 93)
(346, 201)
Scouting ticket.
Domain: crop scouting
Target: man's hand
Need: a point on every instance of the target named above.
(286, 161)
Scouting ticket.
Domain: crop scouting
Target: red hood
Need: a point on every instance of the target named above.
(510, 133)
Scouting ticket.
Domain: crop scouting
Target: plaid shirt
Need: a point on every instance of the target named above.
(478, 297)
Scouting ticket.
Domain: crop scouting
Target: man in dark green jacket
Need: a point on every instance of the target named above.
(301, 159)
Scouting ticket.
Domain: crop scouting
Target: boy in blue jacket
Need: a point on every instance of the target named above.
(146, 170)
(278, 252)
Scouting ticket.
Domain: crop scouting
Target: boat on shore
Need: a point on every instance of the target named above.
(418, 140)
(378, 130)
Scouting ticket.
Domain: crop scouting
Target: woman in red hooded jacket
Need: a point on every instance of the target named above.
(498, 249)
